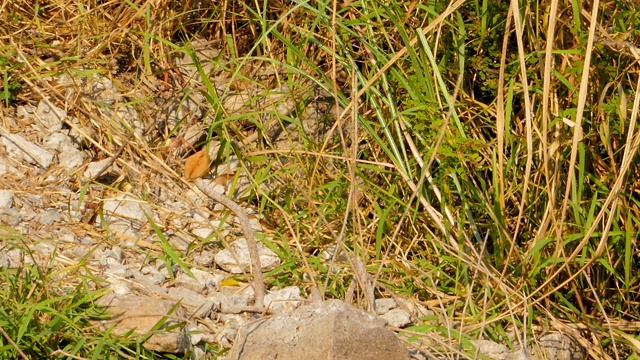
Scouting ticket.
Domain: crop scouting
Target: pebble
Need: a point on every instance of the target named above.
(6, 199)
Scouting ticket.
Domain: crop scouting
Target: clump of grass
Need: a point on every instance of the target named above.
(49, 312)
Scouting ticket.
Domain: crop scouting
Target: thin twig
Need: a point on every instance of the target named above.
(113, 158)
(252, 243)
(15, 346)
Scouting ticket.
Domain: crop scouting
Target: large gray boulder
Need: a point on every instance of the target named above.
(322, 331)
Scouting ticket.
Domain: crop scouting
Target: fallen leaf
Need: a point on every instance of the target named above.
(197, 165)
(229, 282)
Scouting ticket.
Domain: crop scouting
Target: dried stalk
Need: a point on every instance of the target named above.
(252, 243)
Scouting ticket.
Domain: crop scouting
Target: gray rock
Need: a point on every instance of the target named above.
(11, 259)
(96, 166)
(51, 118)
(560, 347)
(389, 310)
(122, 271)
(204, 258)
(71, 159)
(226, 259)
(230, 303)
(493, 350)
(195, 303)
(55, 141)
(125, 214)
(20, 148)
(48, 217)
(287, 298)
(6, 199)
(397, 317)
(142, 314)
(185, 280)
(329, 330)
(10, 217)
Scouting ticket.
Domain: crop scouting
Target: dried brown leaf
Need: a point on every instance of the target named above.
(197, 165)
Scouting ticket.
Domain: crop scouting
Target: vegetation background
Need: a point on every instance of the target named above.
(488, 163)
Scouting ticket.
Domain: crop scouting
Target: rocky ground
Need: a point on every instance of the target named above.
(93, 173)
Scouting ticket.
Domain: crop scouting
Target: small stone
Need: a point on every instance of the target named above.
(131, 211)
(285, 299)
(71, 159)
(11, 259)
(202, 232)
(20, 148)
(230, 303)
(6, 199)
(204, 258)
(48, 217)
(96, 166)
(493, 350)
(195, 303)
(397, 317)
(142, 314)
(226, 260)
(10, 217)
(561, 347)
(54, 141)
(51, 117)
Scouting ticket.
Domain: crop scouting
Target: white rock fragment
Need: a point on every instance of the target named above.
(126, 207)
(6, 199)
(226, 260)
(284, 299)
(48, 217)
(493, 350)
(204, 258)
(10, 217)
(142, 315)
(397, 318)
(389, 310)
(11, 259)
(51, 117)
(71, 159)
(194, 303)
(230, 303)
(560, 347)
(210, 280)
(20, 148)
(25, 111)
(54, 141)
(96, 166)
(153, 275)
(202, 232)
